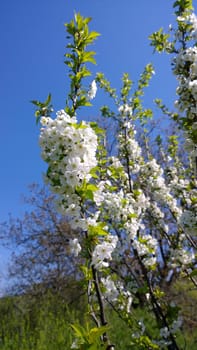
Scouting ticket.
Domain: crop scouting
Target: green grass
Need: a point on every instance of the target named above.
(44, 324)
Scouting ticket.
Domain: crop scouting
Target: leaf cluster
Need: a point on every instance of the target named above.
(88, 338)
(77, 59)
(44, 109)
(182, 6)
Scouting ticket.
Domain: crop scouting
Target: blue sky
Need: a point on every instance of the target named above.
(33, 44)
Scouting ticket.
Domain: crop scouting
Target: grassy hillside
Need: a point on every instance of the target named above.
(29, 323)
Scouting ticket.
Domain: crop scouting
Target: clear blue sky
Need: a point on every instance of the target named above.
(33, 44)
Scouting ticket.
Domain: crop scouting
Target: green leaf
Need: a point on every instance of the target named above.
(193, 273)
(79, 332)
(92, 187)
(88, 57)
(92, 36)
(96, 333)
(48, 100)
(97, 230)
(77, 58)
(183, 4)
(89, 195)
(159, 40)
(44, 108)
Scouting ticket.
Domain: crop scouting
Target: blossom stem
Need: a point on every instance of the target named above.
(160, 317)
(105, 337)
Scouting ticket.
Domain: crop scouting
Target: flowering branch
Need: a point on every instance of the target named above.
(134, 212)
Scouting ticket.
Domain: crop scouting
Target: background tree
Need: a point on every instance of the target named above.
(41, 258)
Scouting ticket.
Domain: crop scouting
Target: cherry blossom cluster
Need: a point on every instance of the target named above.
(102, 253)
(186, 72)
(181, 258)
(69, 148)
(129, 147)
(185, 69)
(116, 293)
(155, 183)
(127, 212)
(182, 188)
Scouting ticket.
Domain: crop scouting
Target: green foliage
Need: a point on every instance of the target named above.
(87, 338)
(142, 343)
(126, 88)
(97, 230)
(173, 145)
(132, 99)
(183, 6)
(139, 112)
(127, 331)
(159, 40)
(105, 85)
(77, 58)
(29, 324)
(44, 109)
(86, 191)
(159, 103)
(45, 323)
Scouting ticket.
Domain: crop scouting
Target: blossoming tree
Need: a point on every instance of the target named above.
(135, 213)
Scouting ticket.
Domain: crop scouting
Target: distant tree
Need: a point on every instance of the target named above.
(39, 242)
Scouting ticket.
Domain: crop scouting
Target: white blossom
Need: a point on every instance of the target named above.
(92, 91)
(70, 151)
(74, 246)
(111, 293)
(181, 257)
(125, 109)
(102, 253)
(193, 20)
